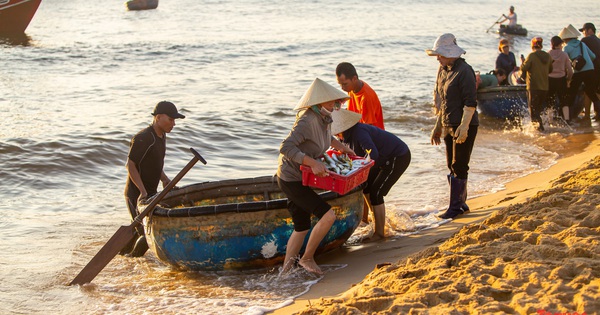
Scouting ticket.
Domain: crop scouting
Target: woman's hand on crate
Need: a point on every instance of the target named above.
(317, 167)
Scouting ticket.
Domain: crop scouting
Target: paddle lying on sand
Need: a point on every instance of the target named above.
(126, 233)
(498, 20)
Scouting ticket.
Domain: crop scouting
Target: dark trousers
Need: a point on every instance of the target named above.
(535, 101)
(557, 94)
(459, 155)
(589, 79)
(133, 211)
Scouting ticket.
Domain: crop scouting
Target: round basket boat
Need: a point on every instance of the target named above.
(237, 224)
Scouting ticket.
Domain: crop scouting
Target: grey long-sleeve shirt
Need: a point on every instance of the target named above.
(310, 135)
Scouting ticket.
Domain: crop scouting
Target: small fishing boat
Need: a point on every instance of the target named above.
(237, 224)
(509, 102)
(505, 102)
(134, 5)
(15, 16)
(518, 30)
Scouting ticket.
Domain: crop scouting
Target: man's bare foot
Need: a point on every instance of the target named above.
(311, 266)
(373, 238)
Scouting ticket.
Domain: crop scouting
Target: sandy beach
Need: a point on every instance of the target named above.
(532, 248)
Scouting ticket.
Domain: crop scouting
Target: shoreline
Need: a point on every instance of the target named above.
(364, 259)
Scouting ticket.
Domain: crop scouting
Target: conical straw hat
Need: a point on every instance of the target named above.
(319, 92)
(343, 120)
(569, 32)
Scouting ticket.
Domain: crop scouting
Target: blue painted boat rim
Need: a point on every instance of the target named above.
(243, 207)
(503, 88)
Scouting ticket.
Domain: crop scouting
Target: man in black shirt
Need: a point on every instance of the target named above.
(593, 42)
(145, 166)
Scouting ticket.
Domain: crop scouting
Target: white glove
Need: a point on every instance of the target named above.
(463, 129)
(436, 133)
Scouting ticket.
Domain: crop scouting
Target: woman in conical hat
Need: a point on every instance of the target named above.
(586, 75)
(309, 138)
(391, 155)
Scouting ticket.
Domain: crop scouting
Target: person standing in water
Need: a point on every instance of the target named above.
(535, 70)
(144, 165)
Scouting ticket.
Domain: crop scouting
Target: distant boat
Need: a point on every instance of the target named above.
(141, 4)
(15, 16)
(518, 30)
(237, 224)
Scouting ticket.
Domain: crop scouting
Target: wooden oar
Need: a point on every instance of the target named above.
(498, 20)
(126, 233)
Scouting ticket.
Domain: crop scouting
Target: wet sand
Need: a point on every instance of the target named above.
(529, 249)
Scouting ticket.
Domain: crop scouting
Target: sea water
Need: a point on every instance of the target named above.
(87, 76)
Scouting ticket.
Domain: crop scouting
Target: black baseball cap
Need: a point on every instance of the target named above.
(588, 25)
(167, 108)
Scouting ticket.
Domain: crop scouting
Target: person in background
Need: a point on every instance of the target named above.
(363, 99)
(309, 139)
(506, 59)
(144, 165)
(562, 72)
(457, 119)
(511, 18)
(593, 42)
(585, 75)
(535, 70)
(390, 153)
(491, 79)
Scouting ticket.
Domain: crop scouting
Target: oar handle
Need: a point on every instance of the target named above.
(197, 157)
(498, 20)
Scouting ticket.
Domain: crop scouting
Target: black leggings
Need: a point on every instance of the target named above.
(302, 202)
(381, 180)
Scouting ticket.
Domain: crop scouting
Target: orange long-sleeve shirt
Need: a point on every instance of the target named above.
(366, 103)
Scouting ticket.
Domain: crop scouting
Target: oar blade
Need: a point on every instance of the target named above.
(125, 233)
(114, 245)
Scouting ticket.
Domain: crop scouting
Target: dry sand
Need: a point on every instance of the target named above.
(533, 248)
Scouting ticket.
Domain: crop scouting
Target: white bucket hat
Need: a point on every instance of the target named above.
(343, 120)
(446, 46)
(319, 92)
(569, 32)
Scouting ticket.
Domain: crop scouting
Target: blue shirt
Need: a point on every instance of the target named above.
(384, 145)
(506, 62)
(572, 48)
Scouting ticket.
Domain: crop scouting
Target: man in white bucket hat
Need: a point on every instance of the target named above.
(309, 138)
(390, 153)
(457, 122)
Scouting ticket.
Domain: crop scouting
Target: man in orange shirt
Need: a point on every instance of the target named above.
(363, 98)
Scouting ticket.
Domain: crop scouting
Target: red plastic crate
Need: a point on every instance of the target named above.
(335, 182)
